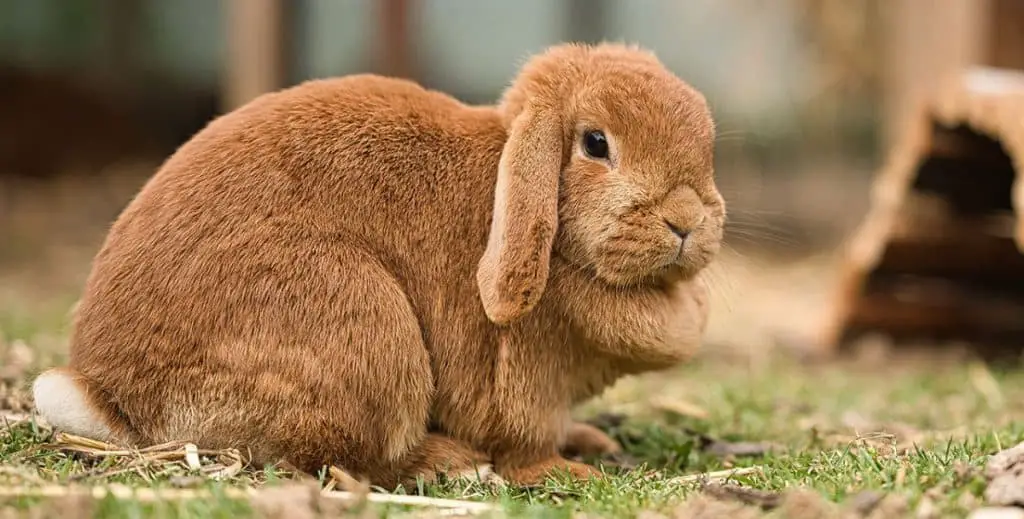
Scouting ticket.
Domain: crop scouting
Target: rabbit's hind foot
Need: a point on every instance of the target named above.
(535, 474)
(441, 455)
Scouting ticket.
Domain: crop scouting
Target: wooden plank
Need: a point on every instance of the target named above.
(255, 50)
(902, 306)
(994, 259)
(945, 221)
(394, 48)
(927, 41)
(1006, 45)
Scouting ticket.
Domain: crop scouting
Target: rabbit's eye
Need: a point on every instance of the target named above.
(595, 144)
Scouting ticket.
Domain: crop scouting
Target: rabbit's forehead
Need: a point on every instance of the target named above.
(644, 109)
(667, 129)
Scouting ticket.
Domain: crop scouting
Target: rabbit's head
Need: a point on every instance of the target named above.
(608, 164)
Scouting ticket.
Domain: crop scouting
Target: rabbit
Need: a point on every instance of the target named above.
(362, 272)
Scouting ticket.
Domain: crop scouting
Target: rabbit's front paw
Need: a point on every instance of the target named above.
(438, 455)
(480, 473)
(534, 475)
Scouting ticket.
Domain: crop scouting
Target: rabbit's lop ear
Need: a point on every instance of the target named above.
(513, 272)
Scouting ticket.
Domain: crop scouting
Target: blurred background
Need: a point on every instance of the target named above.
(808, 95)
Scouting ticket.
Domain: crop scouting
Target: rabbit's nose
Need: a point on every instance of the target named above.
(681, 233)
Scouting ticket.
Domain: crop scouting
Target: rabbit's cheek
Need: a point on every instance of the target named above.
(631, 259)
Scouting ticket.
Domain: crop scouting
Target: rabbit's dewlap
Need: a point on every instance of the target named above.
(363, 273)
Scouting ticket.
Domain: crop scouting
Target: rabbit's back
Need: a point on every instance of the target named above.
(234, 263)
(405, 173)
(358, 151)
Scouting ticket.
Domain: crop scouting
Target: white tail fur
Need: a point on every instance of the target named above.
(61, 399)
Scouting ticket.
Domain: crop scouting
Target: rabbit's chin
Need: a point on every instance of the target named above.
(659, 276)
(635, 274)
(673, 274)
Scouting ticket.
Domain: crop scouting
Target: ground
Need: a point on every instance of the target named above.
(882, 433)
(917, 428)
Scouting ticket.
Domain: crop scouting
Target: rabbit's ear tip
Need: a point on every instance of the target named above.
(504, 301)
(498, 315)
(504, 312)
(500, 310)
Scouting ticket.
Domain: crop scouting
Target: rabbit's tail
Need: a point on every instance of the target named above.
(65, 400)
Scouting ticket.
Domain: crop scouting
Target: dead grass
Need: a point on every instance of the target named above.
(781, 439)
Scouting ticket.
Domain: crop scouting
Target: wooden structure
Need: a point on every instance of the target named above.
(939, 255)
(926, 40)
(258, 51)
(255, 61)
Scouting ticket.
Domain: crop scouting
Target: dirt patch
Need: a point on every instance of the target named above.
(736, 501)
(1005, 475)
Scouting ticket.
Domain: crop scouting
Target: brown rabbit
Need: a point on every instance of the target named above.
(365, 273)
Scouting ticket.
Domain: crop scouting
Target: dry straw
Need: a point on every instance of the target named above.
(213, 464)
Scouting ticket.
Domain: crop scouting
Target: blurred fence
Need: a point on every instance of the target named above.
(176, 63)
(794, 84)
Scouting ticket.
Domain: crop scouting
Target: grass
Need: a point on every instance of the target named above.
(918, 430)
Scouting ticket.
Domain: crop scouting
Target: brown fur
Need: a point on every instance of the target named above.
(587, 440)
(317, 275)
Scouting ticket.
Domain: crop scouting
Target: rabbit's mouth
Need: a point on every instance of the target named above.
(646, 246)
